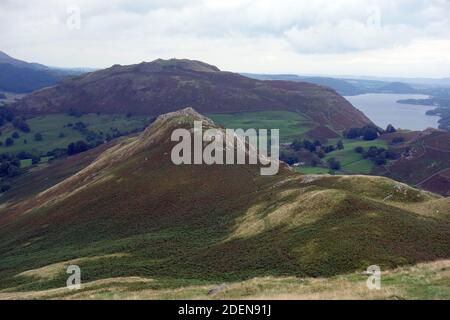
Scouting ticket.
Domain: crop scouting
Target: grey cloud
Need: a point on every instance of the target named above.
(271, 30)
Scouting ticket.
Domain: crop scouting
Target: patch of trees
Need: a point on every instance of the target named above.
(308, 152)
(305, 144)
(98, 138)
(334, 164)
(57, 153)
(328, 149)
(379, 156)
(9, 166)
(367, 133)
(88, 134)
(390, 129)
(6, 115)
(77, 147)
(315, 146)
(289, 157)
(9, 142)
(21, 124)
(35, 157)
(80, 126)
(72, 148)
(359, 149)
(4, 187)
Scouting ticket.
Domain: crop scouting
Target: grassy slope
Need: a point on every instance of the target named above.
(197, 226)
(353, 162)
(51, 126)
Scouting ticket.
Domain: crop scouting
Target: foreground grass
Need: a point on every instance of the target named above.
(422, 281)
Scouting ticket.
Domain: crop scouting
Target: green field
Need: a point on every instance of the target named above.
(363, 166)
(25, 163)
(56, 133)
(353, 162)
(312, 170)
(45, 159)
(291, 124)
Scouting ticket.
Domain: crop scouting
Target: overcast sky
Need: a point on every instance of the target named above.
(359, 37)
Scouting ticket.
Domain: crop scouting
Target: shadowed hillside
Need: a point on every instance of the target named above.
(132, 213)
(162, 86)
(22, 77)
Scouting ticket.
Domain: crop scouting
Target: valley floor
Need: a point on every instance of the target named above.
(422, 281)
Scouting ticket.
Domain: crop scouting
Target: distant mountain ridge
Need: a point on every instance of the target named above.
(5, 58)
(344, 86)
(22, 77)
(341, 86)
(397, 87)
(161, 86)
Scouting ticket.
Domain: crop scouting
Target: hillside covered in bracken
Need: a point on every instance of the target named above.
(162, 86)
(132, 216)
(425, 160)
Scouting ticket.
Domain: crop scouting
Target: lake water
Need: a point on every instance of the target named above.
(383, 109)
